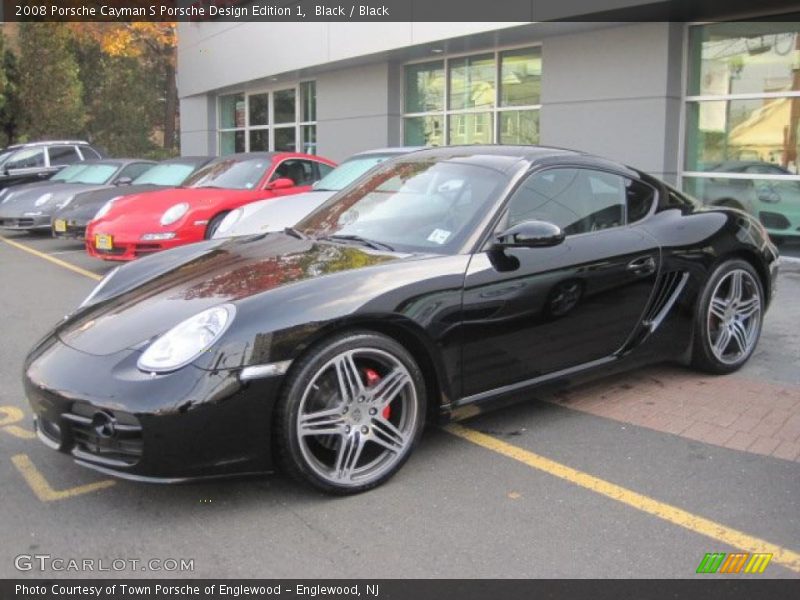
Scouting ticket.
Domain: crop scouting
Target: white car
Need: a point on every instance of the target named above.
(275, 214)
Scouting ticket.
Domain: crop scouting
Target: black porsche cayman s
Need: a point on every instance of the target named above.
(441, 282)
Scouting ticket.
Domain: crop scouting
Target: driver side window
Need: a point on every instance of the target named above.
(577, 200)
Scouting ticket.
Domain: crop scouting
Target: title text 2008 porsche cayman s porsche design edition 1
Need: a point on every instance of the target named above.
(441, 281)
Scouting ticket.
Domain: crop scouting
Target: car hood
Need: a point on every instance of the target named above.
(86, 204)
(59, 192)
(9, 192)
(168, 289)
(274, 214)
(151, 205)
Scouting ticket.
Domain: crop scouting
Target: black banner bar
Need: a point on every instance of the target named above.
(395, 10)
(709, 587)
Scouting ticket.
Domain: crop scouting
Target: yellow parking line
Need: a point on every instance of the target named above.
(19, 432)
(52, 259)
(667, 512)
(43, 490)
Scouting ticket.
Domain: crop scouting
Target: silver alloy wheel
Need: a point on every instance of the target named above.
(734, 316)
(351, 433)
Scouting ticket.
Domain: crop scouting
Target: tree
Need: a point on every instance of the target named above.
(153, 45)
(10, 104)
(49, 82)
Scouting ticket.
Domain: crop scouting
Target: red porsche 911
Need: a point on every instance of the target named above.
(132, 226)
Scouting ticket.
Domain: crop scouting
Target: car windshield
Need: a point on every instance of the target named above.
(68, 173)
(165, 174)
(347, 172)
(414, 205)
(230, 173)
(96, 174)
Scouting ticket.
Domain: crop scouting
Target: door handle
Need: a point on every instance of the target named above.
(642, 266)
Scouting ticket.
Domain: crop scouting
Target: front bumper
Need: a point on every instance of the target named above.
(73, 229)
(112, 417)
(25, 223)
(779, 221)
(129, 249)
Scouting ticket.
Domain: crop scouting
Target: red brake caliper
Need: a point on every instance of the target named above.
(372, 380)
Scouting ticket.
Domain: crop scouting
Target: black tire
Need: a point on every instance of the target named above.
(305, 460)
(213, 225)
(708, 325)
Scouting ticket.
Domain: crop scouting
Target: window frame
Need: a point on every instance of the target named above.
(298, 125)
(446, 111)
(686, 99)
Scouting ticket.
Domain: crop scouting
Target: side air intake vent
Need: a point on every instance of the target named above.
(668, 288)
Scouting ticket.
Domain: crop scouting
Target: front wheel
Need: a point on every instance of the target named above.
(213, 225)
(350, 413)
(728, 318)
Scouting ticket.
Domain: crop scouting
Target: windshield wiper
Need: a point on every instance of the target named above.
(294, 233)
(358, 239)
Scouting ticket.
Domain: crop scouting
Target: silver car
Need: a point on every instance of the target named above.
(275, 214)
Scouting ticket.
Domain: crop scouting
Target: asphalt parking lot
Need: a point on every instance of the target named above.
(638, 475)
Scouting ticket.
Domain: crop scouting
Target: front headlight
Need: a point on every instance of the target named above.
(105, 208)
(43, 199)
(99, 287)
(229, 221)
(187, 340)
(173, 213)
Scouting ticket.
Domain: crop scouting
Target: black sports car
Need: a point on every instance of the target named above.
(440, 282)
(71, 220)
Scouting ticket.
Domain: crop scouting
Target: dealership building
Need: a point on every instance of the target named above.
(713, 107)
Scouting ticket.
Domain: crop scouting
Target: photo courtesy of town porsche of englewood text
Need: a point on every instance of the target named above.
(431, 299)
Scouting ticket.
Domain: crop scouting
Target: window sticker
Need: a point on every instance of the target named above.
(439, 236)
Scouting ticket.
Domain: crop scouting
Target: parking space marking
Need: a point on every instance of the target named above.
(667, 512)
(43, 490)
(52, 259)
(11, 415)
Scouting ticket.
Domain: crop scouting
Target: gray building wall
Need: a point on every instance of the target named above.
(610, 89)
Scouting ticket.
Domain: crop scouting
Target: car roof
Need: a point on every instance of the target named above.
(507, 157)
(114, 161)
(389, 151)
(47, 143)
(192, 160)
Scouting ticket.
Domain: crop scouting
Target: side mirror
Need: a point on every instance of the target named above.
(530, 234)
(281, 183)
(123, 181)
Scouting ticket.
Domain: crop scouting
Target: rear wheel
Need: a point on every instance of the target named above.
(728, 318)
(350, 413)
(213, 225)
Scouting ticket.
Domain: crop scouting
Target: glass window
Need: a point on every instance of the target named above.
(519, 127)
(323, 170)
(520, 77)
(95, 174)
(89, 152)
(165, 174)
(744, 58)
(134, 170)
(472, 82)
(285, 139)
(347, 172)
(62, 155)
(424, 131)
(231, 111)
(308, 101)
(411, 204)
(479, 109)
(69, 172)
(735, 135)
(309, 133)
(577, 200)
(231, 142)
(299, 171)
(259, 140)
(471, 128)
(258, 109)
(284, 106)
(424, 87)
(27, 158)
(230, 173)
(639, 198)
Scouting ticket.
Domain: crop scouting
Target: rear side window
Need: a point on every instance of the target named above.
(27, 158)
(63, 155)
(639, 198)
(89, 153)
